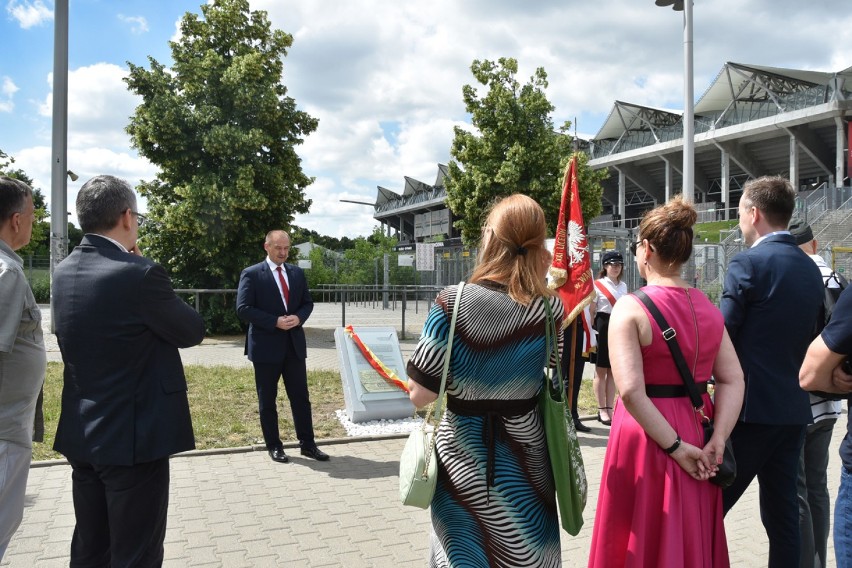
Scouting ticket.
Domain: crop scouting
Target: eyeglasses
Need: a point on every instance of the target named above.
(634, 246)
(140, 218)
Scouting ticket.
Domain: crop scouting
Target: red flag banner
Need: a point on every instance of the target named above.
(571, 269)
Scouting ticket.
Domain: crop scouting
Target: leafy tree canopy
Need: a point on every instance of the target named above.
(223, 131)
(299, 235)
(40, 241)
(515, 149)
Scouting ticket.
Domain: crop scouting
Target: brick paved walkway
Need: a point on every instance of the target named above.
(239, 509)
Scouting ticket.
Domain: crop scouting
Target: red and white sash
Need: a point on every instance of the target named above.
(604, 289)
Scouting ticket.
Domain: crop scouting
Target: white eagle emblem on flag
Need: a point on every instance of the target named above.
(576, 249)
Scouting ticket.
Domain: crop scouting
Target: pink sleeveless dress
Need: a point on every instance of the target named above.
(650, 512)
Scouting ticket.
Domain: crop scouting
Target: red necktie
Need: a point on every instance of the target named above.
(285, 291)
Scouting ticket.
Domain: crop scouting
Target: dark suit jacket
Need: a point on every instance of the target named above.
(119, 326)
(770, 301)
(259, 303)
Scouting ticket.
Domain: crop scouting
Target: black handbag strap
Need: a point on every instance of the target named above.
(670, 337)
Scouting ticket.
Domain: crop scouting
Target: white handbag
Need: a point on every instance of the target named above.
(418, 464)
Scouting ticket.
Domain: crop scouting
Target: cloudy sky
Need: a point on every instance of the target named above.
(384, 77)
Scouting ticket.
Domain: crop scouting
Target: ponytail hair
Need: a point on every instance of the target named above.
(512, 248)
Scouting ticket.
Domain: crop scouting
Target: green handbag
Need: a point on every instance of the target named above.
(566, 460)
(418, 469)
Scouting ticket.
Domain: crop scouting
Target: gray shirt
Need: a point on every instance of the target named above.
(22, 355)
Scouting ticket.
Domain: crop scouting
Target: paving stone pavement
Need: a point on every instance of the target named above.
(237, 508)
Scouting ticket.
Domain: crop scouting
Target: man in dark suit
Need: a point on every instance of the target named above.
(124, 405)
(771, 298)
(273, 298)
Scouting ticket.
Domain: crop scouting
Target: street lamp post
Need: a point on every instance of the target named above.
(59, 153)
(688, 97)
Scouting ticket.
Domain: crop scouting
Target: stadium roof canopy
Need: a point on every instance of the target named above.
(749, 114)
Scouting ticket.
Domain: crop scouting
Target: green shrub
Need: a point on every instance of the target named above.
(220, 314)
(41, 289)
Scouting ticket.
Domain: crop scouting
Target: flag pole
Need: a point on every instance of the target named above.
(572, 360)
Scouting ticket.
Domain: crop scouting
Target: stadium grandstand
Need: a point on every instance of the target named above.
(751, 121)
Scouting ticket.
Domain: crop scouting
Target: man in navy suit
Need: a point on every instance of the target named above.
(771, 299)
(124, 406)
(273, 298)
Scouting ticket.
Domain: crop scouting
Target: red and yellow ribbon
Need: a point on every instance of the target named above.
(383, 370)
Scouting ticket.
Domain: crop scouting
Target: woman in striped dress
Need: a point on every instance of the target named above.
(494, 504)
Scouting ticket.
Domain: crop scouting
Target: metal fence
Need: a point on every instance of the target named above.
(397, 285)
(36, 267)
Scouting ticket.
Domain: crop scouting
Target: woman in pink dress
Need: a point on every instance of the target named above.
(656, 506)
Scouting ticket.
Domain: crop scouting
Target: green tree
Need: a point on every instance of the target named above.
(39, 244)
(366, 258)
(515, 149)
(222, 130)
(323, 268)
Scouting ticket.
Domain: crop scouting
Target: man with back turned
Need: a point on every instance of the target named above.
(119, 325)
(22, 355)
(771, 298)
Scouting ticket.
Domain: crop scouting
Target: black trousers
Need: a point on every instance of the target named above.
(771, 453)
(121, 514)
(294, 373)
(579, 365)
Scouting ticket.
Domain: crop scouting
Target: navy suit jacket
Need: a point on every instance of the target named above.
(771, 299)
(119, 325)
(259, 303)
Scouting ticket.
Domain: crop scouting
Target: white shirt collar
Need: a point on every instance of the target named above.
(113, 241)
(773, 233)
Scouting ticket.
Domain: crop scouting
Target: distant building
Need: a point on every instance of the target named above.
(304, 250)
(419, 214)
(751, 121)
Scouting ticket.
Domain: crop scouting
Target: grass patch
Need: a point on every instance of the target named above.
(711, 230)
(223, 402)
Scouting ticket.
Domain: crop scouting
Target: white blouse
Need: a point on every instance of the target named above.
(602, 305)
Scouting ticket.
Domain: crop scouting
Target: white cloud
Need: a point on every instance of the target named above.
(99, 106)
(138, 24)
(86, 162)
(331, 217)
(29, 14)
(7, 93)
(385, 79)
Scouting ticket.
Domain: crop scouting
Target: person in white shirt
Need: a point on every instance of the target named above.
(814, 502)
(609, 288)
(22, 355)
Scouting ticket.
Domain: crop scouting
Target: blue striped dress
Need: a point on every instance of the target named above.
(494, 504)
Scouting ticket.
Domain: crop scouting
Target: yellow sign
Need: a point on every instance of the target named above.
(608, 245)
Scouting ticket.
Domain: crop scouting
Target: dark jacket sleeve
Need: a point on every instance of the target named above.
(247, 302)
(735, 294)
(169, 318)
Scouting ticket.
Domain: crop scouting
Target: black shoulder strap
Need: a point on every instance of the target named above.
(669, 335)
(837, 277)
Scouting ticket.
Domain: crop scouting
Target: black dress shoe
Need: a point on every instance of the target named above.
(278, 455)
(315, 453)
(580, 427)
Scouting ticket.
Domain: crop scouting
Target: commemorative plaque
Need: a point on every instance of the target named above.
(367, 393)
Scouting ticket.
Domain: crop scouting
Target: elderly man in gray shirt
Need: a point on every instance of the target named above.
(22, 355)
